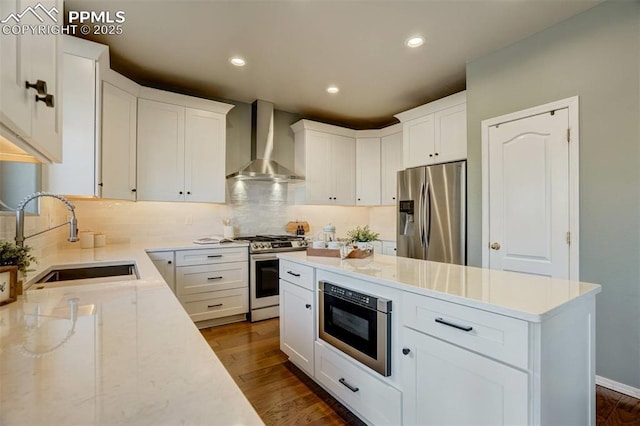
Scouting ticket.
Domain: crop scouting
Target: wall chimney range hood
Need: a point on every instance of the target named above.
(262, 167)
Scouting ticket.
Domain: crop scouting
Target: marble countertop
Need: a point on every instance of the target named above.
(528, 297)
(112, 353)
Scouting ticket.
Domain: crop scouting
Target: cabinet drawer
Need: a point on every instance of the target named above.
(497, 336)
(213, 255)
(295, 273)
(216, 304)
(363, 392)
(204, 278)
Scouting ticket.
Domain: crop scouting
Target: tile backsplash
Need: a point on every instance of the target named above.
(254, 207)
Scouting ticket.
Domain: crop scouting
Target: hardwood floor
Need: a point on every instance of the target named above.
(280, 393)
(283, 395)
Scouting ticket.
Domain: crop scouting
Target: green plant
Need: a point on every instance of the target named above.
(362, 234)
(11, 254)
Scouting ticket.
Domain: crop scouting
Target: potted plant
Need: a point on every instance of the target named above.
(12, 255)
(361, 236)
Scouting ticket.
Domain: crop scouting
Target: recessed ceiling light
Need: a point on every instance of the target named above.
(415, 41)
(237, 61)
(333, 90)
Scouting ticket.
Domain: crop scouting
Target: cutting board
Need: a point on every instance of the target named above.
(292, 227)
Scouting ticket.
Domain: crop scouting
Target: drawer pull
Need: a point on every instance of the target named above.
(293, 273)
(214, 306)
(450, 324)
(348, 386)
(211, 256)
(214, 278)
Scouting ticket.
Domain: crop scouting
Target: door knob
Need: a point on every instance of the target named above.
(495, 246)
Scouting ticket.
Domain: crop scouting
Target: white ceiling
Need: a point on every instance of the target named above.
(295, 49)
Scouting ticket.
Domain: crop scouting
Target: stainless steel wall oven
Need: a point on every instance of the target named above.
(358, 324)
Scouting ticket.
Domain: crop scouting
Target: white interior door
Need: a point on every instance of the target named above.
(529, 218)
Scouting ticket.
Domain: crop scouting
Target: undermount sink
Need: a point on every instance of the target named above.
(80, 275)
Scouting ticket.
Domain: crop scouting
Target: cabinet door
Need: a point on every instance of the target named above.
(418, 141)
(391, 163)
(318, 186)
(342, 169)
(15, 100)
(118, 159)
(160, 151)
(447, 385)
(389, 248)
(46, 64)
(368, 171)
(451, 134)
(296, 325)
(165, 264)
(77, 174)
(204, 156)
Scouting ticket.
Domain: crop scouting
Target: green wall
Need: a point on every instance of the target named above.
(596, 56)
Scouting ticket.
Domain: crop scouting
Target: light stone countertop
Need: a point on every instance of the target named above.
(529, 297)
(112, 353)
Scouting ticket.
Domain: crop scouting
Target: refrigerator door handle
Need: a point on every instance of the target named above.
(427, 210)
(420, 216)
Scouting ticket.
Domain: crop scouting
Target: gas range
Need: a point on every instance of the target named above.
(275, 243)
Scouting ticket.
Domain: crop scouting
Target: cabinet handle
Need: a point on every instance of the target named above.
(436, 154)
(214, 306)
(450, 324)
(293, 273)
(430, 155)
(40, 86)
(180, 193)
(134, 190)
(348, 386)
(405, 351)
(358, 199)
(169, 262)
(47, 99)
(101, 184)
(188, 192)
(393, 198)
(214, 278)
(308, 306)
(211, 256)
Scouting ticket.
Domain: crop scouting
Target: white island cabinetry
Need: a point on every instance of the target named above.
(468, 346)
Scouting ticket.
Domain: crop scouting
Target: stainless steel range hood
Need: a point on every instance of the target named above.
(262, 167)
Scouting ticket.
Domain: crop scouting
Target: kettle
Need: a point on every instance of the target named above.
(327, 234)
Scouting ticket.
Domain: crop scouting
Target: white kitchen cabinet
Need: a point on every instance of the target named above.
(30, 124)
(446, 384)
(368, 170)
(297, 325)
(78, 174)
(389, 247)
(181, 150)
(391, 163)
(119, 135)
(213, 284)
(326, 156)
(435, 132)
(164, 262)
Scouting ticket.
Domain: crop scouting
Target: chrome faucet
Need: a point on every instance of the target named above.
(73, 222)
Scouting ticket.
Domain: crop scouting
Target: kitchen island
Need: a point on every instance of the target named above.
(111, 353)
(465, 345)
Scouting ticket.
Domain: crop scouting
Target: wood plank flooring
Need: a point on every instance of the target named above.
(283, 395)
(280, 393)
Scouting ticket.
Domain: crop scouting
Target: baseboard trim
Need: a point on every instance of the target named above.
(618, 387)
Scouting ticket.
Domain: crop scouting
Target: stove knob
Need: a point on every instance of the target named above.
(263, 245)
(254, 246)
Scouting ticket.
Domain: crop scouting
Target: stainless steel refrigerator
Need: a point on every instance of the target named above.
(431, 222)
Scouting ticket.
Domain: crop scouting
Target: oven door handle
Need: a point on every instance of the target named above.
(264, 257)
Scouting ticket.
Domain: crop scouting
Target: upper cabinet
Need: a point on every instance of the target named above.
(119, 134)
(391, 163)
(181, 148)
(30, 85)
(77, 174)
(368, 171)
(435, 132)
(326, 156)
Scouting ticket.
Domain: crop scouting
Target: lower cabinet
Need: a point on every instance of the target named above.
(369, 397)
(216, 304)
(165, 264)
(444, 384)
(297, 329)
